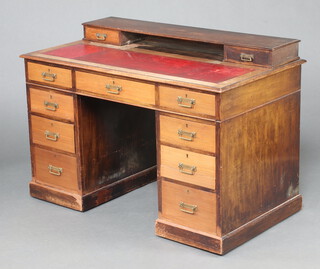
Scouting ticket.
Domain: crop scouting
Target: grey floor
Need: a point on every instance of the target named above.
(120, 234)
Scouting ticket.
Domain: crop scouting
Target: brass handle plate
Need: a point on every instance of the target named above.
(53, 170)
(50, 106)
(101, 37)
(187, 169)
(186, 102)
(114, 89)
(51, 136)
(190, 135)
(187, 208)
(47, 76)
(246, 57)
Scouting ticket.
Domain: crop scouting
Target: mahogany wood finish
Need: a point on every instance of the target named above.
(191, 33)
(204, 104)
(103, 35)
(116, 88)
(51, 133)
(272, 170)
(51, 104)
(202, 219)
(66, 178)
(188, 134)
(48, 74)
(204, 166)
(214, 115)
(116, 141)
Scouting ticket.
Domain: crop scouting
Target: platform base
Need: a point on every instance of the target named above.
(222, 245)
(85, 202)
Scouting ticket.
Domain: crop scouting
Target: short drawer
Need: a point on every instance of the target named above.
(187, 133)
(247, 56)
(52, 75)
(52, 133)
(116, 88)
(186, 101)
(51, 103)
(188, 166)
(55, 169)
(103, 35)
(188, 206)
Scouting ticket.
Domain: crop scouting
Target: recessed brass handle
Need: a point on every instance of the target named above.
(187, 169)
(51, 136)
(53, 170)
(47, 76)
(50, 106)
(246, 57)
(190, 135)
(190, 209)
(114, 89)
(186, 102)
(101, 37)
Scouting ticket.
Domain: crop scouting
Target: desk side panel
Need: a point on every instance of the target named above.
(259, 161)
(260, 92)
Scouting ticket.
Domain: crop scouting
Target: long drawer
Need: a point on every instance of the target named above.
(188, 206)
(52, 75)
(51, 103)
(55, 169)
(186, 133)
(52, 133)
(187, 166)
(116, 88)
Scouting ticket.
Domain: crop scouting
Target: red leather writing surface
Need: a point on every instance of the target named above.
(150, 63)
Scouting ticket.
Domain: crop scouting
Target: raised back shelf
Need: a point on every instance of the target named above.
(192, 41)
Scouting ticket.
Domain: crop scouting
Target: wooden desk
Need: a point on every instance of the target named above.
(213, 115)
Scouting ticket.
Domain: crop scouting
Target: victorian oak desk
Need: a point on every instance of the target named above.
(213, 115)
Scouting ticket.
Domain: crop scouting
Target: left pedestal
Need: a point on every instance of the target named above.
(83, 150)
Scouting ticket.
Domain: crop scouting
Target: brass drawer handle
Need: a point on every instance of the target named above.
(101, 37)
(190, 135)
(47, 76)
(183, 168)
(190, 209)
(50, 106)
(186, 102)
(246, 57)
(53, 170)
(114, 89)
(51, 136)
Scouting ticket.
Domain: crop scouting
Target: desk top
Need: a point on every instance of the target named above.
(192, 72)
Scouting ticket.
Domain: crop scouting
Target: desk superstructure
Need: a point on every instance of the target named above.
(213, 115)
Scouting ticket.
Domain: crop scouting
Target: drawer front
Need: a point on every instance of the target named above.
(247, 56)
(55, 169)
(186, 133)
(189, 207)
(188, 102)
(52, 133)
(51, 75)
(116, 88)
(51, 103)
(187, 166)
(102, 35)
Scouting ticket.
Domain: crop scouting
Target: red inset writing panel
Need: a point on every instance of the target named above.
(150, 63)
